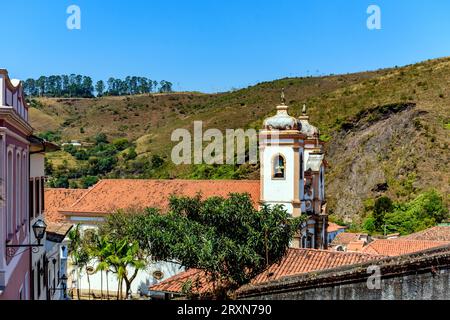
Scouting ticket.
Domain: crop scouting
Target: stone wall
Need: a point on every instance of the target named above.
(420, 276)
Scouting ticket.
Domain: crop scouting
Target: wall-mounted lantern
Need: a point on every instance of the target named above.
(39, 228)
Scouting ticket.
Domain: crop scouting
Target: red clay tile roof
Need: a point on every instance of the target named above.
(56, 232)
(345, 238)
(398, 247)
(355, 246)
(175, 284)
(296, 261)
(111, 195)
(333, 227)
(439, 233)
(55, 199)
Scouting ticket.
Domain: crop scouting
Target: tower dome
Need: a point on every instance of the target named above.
(282, 120)
(306, 128)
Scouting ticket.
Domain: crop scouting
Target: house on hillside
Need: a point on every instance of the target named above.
(392, 245)
(348, 241)
(73, 143)
(333, 230)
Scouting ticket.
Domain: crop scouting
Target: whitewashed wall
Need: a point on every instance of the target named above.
(143, 280)
(279, 191)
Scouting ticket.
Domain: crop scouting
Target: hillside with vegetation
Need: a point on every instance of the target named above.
(387, 133)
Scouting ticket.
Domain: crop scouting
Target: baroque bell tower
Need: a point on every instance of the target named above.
(292, 173)
(282, 170)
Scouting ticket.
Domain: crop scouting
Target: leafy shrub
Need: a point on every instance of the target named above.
(88, 181)
(100, 138)
(50, 136)
(121, 144)
(423, 212)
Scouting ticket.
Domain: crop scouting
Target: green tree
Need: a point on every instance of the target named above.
(100, 88)
(100, 138)
(121, 143)
(48, 167)
(74, 245)
(165, 86)
(196, 233)
(60, 182)
(88, 181)
(116, 252)
(423, 212)
(157, 161)
(131, 154)
(382, 206)
(100, 249)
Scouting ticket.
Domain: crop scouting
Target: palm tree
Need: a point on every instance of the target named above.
(132, 259)
(114, 259)
(101, 253)
(74, 245)
(84, 258)
(107, 284)
(125, 255)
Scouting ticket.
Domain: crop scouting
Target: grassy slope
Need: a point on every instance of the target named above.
(406, 149)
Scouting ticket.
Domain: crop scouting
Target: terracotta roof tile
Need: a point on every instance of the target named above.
(56, 232)
(296, 261)
(345, 238)
(55, 199)
(333, 227)
(438, 233)
(397, 247)
(113, 194)
(355, 246)
(175, 283)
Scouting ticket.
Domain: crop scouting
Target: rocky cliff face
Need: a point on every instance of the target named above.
(363, 154)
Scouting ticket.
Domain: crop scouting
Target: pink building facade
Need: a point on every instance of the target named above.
(14, 189)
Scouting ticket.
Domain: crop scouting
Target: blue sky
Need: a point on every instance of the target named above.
(216, 45)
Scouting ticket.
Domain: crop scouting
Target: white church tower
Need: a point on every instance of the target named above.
(284, 148)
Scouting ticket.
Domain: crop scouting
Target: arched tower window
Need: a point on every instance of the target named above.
(279, 167)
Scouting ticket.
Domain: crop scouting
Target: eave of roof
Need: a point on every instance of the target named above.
(296, 261)
(118, 190)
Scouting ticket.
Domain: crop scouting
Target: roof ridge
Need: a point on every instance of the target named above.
(407, 240)
(65, 189)
(331, 252)
(86, 193)
(184, 180)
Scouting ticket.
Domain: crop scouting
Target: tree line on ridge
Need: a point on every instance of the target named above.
(79, 86)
